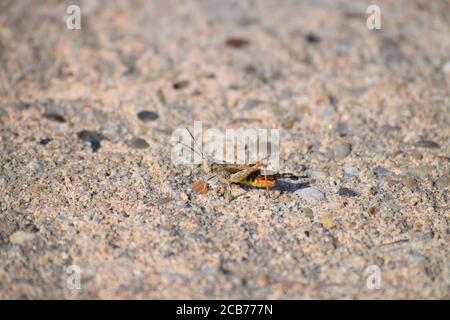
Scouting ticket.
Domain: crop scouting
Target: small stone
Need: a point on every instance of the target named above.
(373, 210)
(264, 280)
(328, 223)
(308, 213)
(409, 182)
(184, 196)
(341, 129)
(416, 155)
(443, 182)
(139, 143)
(328, 112)
(54, 117)
(421, 170)
(93, 137)
(2, 112)
(251, 104)
(347, 192)
(310, 194)
(147, 116)
(45, 141)
(236, 43)
(416, 256)
(446, 67)
(318, 174)
(387, 128)
(20, 237)
(200, 187)
(180, 84)
(21, 106)
(342, 150)
(161, 97)
(36, 166)
(350, 169)
(312, 38)
(427, 144)
(380, 171)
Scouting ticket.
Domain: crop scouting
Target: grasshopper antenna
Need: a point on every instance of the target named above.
(196, 144)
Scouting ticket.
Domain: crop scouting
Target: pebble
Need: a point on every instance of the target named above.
(93, 137)
(347, 192)
(20, 237)
(373, 210)
(426, 144)
(416, 155)
(416, 256)
(328, 112)
(36, 166)
(312, 38)
(236, 43)
(2, 112)
(147, 116)
(318, 174)
(54, 117)
(422, 169)
(380, 171)
(446, 67)
(341, 129)
(443, 182)
(409, 182)
(21, 106)
(328, 223)
(45, 141)
(200, 187)
(350, 169)
(308, 213)
(310, 194)
(342, 150)
(184, 196)
(180, 84)
(387, 128)
(139, 143)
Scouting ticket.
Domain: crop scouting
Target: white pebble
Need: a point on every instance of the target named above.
(310, 194)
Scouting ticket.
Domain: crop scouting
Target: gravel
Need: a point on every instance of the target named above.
(342, 150)
(310, 194)
(362, 110)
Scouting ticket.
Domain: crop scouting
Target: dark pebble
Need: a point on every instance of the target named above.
(386, 128)
(312, 38)
(45, 141)
(93, 137)
(346, 192)
(426, 144)
(139, 143)
(54, 117)
(236, 43)
(20, 106)
(341, 129)
(180, 84)
(147, 116)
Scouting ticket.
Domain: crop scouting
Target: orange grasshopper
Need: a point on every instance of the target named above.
(230, 173)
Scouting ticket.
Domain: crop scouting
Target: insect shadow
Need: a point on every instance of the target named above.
(283, 185)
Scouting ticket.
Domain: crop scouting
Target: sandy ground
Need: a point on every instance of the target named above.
(86, 182)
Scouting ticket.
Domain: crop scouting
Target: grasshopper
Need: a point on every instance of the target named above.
(229, 173)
